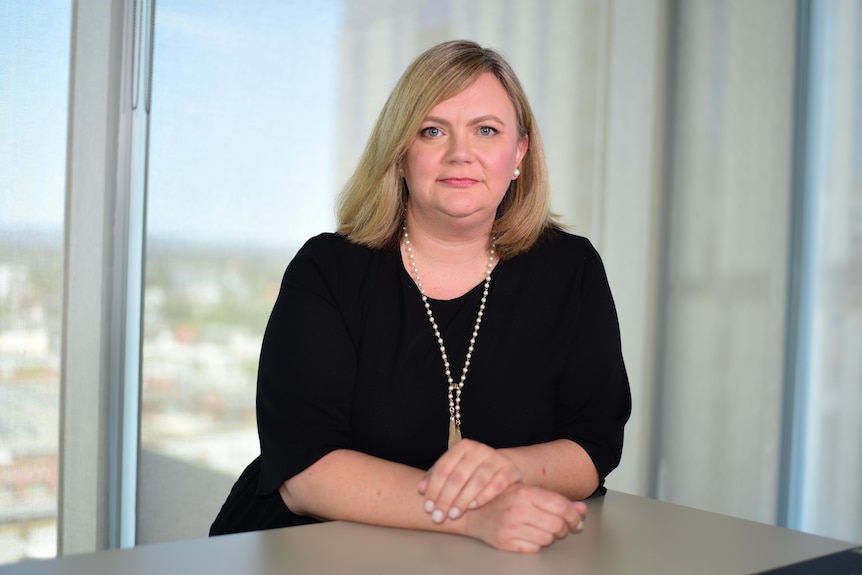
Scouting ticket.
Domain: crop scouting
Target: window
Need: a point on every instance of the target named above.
(34, 58)
(242, 170)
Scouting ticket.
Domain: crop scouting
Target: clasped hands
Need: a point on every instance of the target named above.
(484, 487)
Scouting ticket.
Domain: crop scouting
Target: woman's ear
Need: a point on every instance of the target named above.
(523, 145)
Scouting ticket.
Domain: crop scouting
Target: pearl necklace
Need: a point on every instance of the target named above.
(454, 390)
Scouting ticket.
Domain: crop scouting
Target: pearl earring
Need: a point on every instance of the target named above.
(517, 172)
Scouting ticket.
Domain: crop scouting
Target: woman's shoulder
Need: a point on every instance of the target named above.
(329, 242)
(332, 255)
(558, 243)
(332, 246)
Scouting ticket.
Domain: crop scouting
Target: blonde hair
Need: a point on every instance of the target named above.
(372, 204)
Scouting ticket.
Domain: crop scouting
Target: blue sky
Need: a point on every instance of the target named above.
(243, 128)
(244, 122)
(34, 81)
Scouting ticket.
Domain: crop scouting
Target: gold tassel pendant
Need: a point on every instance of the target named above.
(454, 433)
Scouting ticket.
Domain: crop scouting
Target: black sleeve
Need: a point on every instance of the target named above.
(593, 400)
(307, 369)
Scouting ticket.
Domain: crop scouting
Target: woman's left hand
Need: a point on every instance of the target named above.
(467, 476)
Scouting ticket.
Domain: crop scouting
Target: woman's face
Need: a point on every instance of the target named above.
(463, 158)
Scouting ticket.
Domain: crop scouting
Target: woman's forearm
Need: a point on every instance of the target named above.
(562, 466)
(349, 485)
(352, 486)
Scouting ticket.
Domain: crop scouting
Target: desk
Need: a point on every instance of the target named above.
(624, 534)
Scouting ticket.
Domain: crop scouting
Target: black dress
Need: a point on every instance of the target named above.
(349, 360)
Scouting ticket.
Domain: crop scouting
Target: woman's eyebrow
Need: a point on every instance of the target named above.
(436, 120)
(486, 118)
(474, 121)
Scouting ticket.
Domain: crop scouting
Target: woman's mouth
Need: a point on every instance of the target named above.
(458, 182)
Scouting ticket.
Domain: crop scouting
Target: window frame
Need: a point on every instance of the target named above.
(103, 269)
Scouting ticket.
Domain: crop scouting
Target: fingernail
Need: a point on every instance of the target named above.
(437, 516)
(580, 526)
(429, 506)
(473, 504)
(454, 513)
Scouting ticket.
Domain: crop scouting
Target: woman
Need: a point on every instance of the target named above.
(450, 359)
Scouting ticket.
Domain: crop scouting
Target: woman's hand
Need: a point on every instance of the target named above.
(525, 519)
(467, 476)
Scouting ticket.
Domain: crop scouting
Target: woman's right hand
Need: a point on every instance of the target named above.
(467, 475)
(525, 519)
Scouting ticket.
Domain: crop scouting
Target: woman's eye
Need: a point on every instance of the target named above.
(487, 131)
(431, 132)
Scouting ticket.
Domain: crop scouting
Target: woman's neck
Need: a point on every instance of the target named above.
(449, 243)
(450, 262)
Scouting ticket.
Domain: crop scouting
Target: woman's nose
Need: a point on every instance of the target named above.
(459, 149)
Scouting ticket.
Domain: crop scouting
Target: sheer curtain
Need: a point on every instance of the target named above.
(724, 290)
(830, 465)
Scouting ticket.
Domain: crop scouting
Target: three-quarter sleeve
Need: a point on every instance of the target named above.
(307, 370)
(593, 398)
